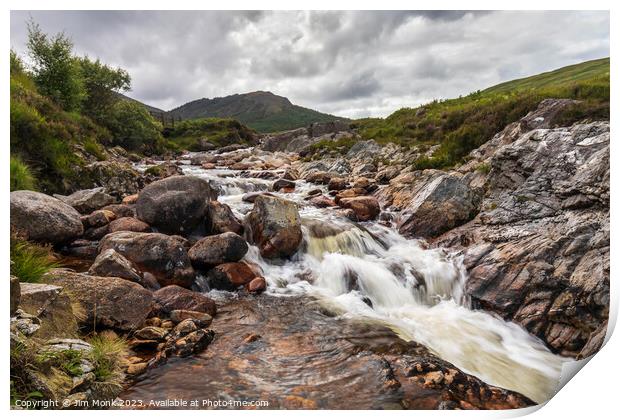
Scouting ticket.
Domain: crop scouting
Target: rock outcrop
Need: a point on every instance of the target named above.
(218, 249)
(41, 218)
(87, 201)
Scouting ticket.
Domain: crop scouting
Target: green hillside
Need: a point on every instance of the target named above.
(463, 124)
(262, 111)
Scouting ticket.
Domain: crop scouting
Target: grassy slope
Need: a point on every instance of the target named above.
(219, 131)
(462, 124)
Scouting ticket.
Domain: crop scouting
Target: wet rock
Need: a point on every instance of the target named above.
(87, 201)
(129, 224)
(319, 177)
(349, 193)
(218, 249)
(163, 256)
(322, 201)
(275, 227)
(151, 333)
(203, 320)
(283, 185)
(82, 248)
(15, 292)
(337, 184)
(444, 203)
(365, 207)
(257, 285)
(252, 196)
(107, 301)
(176, 204)
(41, 218)
(220, 219)
(172, 298)
(230, 276)
(112, 264)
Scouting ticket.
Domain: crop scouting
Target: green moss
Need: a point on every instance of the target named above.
(484, 168)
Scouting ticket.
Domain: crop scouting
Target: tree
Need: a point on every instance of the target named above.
(134, 128)
(102, 84)
(56, 72)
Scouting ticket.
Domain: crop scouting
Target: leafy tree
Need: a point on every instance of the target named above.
(133, 127)
(17, 65)
(56, 72)
(102, 84)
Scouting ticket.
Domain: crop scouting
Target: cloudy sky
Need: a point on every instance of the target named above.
(348, 63)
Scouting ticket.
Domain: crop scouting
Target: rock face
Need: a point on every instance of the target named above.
(218, 249)
(176, 204)
(108, 302)
(163, 256)
(112, 264)
(220, 219)
(173, 298)
(442, 204)
(87, 201)
(42, 218)
(538, 252)
(275, 226)
(51, 306)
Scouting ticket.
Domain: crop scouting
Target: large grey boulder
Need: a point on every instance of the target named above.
(161, 255)
(112, 264)
(108, 302)
(275, 226)
(87, 201)
(176, 204)
(220, 218)
(41, 218)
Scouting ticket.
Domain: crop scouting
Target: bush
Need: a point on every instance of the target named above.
(30, 262)
(21, 176)
(133, 128)
(218, 131)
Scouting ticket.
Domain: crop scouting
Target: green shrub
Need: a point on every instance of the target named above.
(30, 262)
(133, 128)
(21, 175)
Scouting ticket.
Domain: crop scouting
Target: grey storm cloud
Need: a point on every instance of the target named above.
(349, 63)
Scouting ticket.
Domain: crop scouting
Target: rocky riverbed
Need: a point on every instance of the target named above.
(264, 273)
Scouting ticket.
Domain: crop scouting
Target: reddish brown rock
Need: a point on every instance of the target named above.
(172, 298)
(322, 201)
(365, 207)
(257, 285)
(230, 276)
(129, 224)
(220, 219)
(337, 184)
(130, 199)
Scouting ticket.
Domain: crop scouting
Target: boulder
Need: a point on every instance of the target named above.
(171, 298)
(129, 224)
(257, 285)
(176, 204)
(112, 264)
(121, 210)
(337, 184)
(275, 227)
(109, 302)
(319, 177)
(98, 218)
(322, 201)
(444, 203)
(161, 255)
(117, 178)
(365, 207)
(252, 196)
(87, 201)
(230, 276)
(200, 318)
(41, 218)
(220, 218)
(218, 249)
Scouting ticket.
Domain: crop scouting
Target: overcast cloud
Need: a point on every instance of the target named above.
(348, 63)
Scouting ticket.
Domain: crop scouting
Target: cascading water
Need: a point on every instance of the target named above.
(372, 272)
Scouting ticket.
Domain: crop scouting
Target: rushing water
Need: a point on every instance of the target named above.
(369, 271)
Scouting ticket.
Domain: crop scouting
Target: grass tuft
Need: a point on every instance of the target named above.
(22, 177)
(107, 357)
(30, 262)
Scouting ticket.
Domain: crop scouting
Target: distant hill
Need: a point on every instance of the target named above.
(154, 111)
(262, 111)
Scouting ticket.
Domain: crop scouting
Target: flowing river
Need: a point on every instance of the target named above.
(369, 272)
